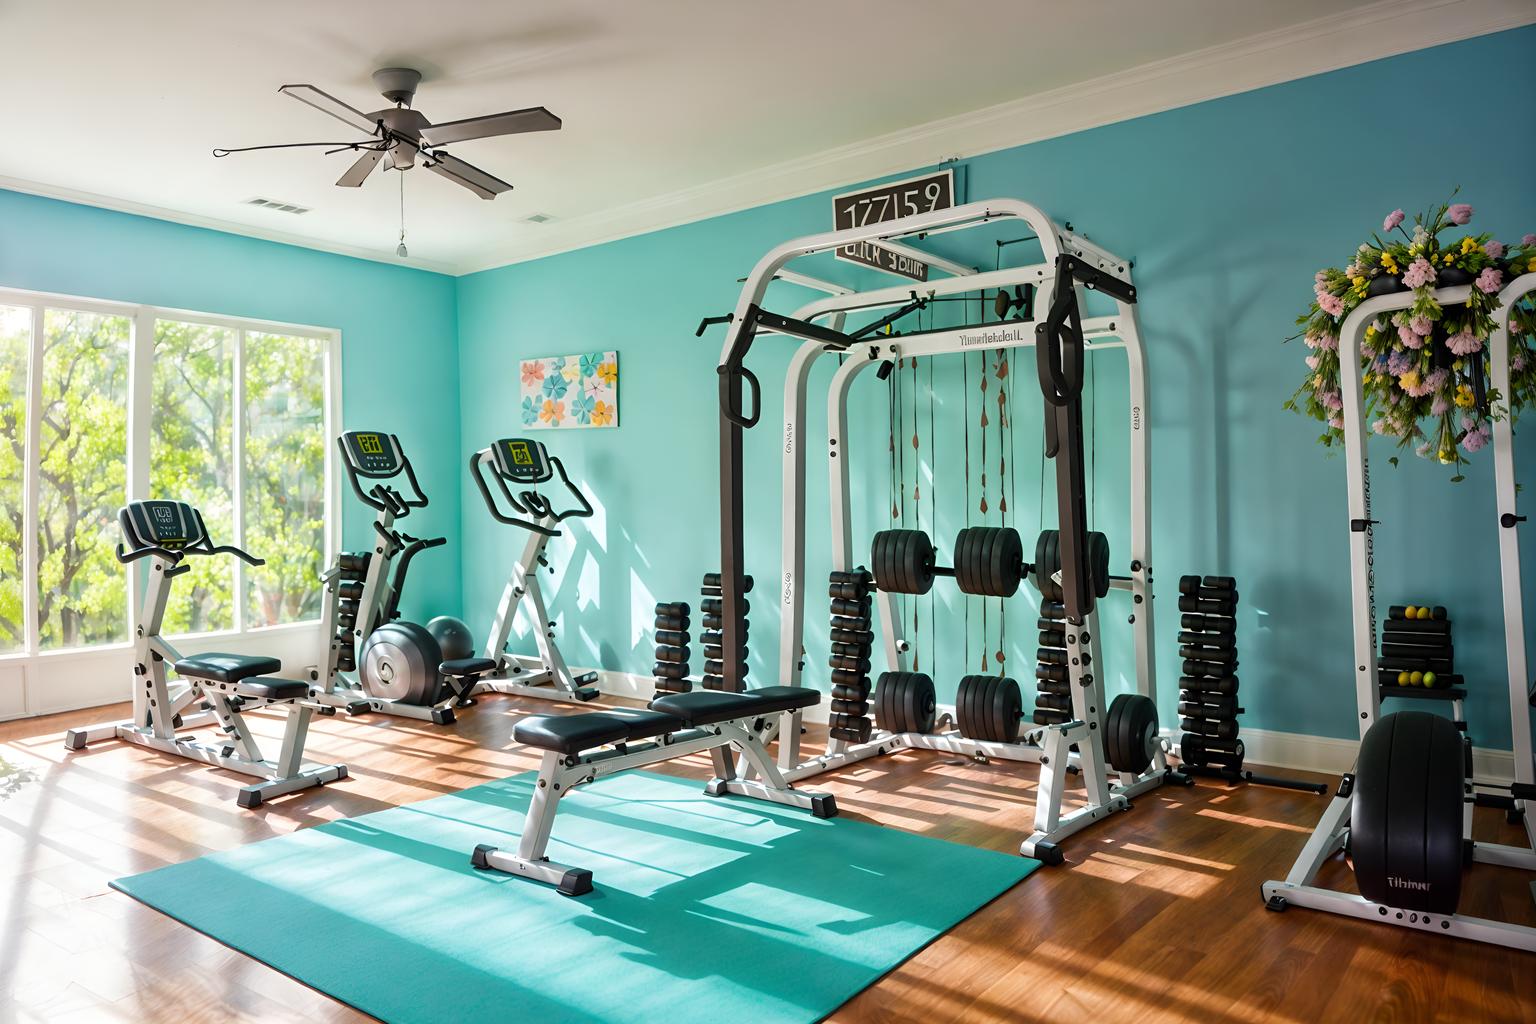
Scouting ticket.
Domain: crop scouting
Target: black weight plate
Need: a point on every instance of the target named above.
(1013, 559)
(1042, 560)
(994, 582)
(965, 558)
(984, 708)
(981, 568)
(925, 706)
(964, 695)
(885, 701)
(997, 708)
(896, 556)
(1098, 560)
(1192, 749)
(1013, 711)
(925, 562)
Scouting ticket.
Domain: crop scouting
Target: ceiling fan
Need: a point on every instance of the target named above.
(404, 134)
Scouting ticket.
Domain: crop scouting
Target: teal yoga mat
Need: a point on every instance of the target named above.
(705, 909)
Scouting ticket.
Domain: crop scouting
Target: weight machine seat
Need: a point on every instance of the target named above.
(706, 707)
(467, 667)
(571, 734)
(240, 670)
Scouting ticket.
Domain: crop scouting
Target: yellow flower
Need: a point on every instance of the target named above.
(1370, 331)
(1409, 380)
(608, 372)
(602, 414)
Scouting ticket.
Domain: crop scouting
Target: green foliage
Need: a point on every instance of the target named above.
(82, 596)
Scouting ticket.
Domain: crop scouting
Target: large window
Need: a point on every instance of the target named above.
(99, 403)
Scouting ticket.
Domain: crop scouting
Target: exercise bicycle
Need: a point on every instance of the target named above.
(526, 463)
(373, 660)
(211, 689)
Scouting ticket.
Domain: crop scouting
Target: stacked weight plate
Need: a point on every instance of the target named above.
(352, 568)
(713, 637)
(1417, 652)
(1208, 707)
(852, 640)
(672, 654)
(1053, 687)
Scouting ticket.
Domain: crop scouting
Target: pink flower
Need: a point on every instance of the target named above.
(1440, 406)
(1332, 304)
(1328, 342)
(1490, 279)
(1408, 338)
(1528, 240)
(1321, 277)
(1380, 426)
(1494, 248)
(1336, 422)
(1438, 378)
(1422, 325)
(1474, 440)
(1399, 362)
(1332, 400)
(1518, 363)
(1459, 213)
(1312, 362)
(1393, 220)
(1419, 273)
(1464, 343)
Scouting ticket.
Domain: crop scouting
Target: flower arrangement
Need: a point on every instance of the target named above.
(1424, 368)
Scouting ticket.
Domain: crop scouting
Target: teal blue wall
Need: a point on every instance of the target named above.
(1227, 208)
(399, 344)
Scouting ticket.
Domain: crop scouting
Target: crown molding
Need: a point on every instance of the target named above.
(1336, 41)
(1325, 44)
(82, 198)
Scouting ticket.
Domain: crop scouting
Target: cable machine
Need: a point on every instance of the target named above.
(1118, 749)
(1406, 817)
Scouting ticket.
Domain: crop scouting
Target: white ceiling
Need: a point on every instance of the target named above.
(673, 109)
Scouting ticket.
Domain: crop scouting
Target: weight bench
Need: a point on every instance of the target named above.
(673, 726)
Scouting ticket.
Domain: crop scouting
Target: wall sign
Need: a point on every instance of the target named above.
(886, 202)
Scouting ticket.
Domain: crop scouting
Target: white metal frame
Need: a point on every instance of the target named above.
(1048, 745)
(547, 675)
(560, 773)
(31, 659)
(161, 710)
(1332, 832)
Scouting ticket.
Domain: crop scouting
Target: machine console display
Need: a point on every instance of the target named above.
(372, 454)
(522, 460)
(166, 524)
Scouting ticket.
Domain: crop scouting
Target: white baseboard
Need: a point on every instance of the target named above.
(1292, 750)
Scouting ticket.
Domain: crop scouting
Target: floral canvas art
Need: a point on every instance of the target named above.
(571, 391)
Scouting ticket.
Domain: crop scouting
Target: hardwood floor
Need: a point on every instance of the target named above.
(1155, 917)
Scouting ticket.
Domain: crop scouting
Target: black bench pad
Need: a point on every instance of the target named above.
(571, 734)
(226, 668)
(706, 707)
(240, 670)
(272, 689)
(467, 667)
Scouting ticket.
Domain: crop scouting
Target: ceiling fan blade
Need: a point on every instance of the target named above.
(328, 104)
(359, 171)
(513, 122)
(486, 186)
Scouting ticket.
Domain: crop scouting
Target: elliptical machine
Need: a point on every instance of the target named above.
(526, 462)
(399, 666)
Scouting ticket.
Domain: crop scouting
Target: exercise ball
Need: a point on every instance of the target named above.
(453, 636)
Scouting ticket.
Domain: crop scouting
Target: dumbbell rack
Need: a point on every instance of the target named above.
(1053, 680)
(673, 622)
(852, 640)
(344, 586)
(1419, 645)
(1208, 697)
(672, 653)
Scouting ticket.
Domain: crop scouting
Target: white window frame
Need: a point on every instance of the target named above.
(141, 344)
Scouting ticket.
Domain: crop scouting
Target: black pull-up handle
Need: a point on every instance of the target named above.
(732, 407)
(710, 321)
(1508, 520)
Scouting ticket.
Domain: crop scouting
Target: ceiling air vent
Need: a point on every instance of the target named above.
(539, 218)
(273, 204)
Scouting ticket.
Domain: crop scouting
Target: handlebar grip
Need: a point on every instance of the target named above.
(739, 416)
(154, 549)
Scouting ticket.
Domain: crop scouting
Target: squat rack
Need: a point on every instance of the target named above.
(1069, 265)
(1332, 832)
